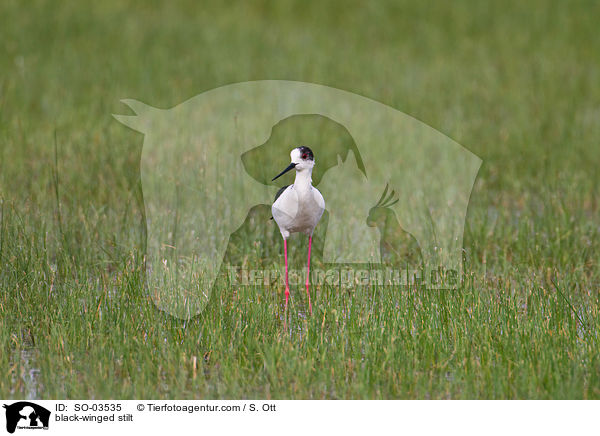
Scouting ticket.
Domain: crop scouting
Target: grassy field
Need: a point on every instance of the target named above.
(517, 83)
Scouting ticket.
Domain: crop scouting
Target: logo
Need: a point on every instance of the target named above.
(395, 191)
(26, 415)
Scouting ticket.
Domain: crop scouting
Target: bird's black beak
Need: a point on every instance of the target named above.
(290, 167)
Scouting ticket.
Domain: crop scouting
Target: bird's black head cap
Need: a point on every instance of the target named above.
(306, 153)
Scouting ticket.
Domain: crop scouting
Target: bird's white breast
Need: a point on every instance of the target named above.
(298, 210)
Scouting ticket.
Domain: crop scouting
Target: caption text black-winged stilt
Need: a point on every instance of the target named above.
(298, 208)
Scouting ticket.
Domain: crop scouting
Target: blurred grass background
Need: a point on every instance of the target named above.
(516, 83)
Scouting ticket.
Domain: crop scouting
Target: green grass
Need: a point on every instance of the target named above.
(518, 84)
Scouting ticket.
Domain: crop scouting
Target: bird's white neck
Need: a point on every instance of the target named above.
(303, 181)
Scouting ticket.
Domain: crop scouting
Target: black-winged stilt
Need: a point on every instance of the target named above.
(298, 208)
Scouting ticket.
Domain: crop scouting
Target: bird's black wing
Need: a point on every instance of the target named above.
(280, 192)
(283, 188)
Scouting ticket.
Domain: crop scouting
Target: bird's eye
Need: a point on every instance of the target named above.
(305, 155)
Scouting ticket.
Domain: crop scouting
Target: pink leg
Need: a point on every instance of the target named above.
(287, 285)
(308, 274)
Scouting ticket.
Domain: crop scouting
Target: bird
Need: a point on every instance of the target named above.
(297, 208)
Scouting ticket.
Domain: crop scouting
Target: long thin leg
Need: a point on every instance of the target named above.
(308, 274)
(287, 284)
